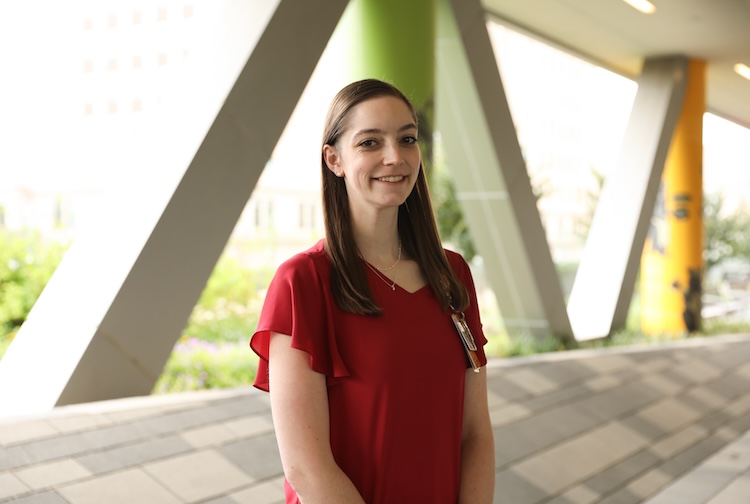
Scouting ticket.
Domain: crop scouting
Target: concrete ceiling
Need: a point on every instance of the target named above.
(618, 37)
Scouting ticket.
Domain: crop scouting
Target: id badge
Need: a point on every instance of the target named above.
(467, 339)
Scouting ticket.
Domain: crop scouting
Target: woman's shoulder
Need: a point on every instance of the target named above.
(455, 259)
(306, 262)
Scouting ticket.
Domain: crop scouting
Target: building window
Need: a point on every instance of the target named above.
(112, 21)
(256, 214)
(162, 14)
(269, 214)
(136, 62)
(306, 215)
(187, 11)
(58, 212)
(137, 17)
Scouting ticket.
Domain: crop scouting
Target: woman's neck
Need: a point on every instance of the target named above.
(377, 237)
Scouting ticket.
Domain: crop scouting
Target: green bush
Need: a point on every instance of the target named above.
(214, 351)
(4, 344)
(26, 265)
(197, 365)
(228, 309)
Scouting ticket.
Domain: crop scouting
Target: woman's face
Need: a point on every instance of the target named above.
(377, 154)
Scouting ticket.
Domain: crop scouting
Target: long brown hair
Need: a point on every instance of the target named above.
(416, 220)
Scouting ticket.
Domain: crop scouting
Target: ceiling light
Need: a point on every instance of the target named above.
(743, 70)
(642, 5)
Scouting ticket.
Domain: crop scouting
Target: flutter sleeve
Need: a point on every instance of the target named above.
(461, 268)
(298, 304)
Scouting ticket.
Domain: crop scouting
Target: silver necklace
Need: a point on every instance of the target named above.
(390, 283)
(378, 271)
(397, 260)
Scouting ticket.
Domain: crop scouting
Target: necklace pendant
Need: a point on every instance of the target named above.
(393, 287)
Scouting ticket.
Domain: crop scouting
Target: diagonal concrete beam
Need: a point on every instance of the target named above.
(492, 183)
(107, 321)
(605, 279)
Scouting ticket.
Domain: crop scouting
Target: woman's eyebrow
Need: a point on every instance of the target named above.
(371, 131)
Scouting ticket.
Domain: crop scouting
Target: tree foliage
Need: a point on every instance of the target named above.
(727, 234)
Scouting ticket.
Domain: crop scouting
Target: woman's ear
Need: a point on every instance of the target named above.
(331, 157)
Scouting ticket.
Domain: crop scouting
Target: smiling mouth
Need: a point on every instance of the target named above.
(391, 179)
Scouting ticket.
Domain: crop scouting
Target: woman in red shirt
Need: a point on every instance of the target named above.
(375, 397)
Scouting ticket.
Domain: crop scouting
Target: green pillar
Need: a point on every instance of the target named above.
(394, 41)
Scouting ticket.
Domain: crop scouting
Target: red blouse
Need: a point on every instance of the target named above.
(395, 381)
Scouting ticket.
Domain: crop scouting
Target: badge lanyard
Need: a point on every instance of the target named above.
(467, 339)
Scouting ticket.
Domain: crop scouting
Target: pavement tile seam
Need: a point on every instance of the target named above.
(134, 454)
(686, 460)
(52, 474)
(580, 399)
(21, 459)
(656, 466)
(706, 438)
(623, 496)
(111, 436)
(569, 463)
(11, 486)
(199, 475)
(617, 476)
(643, 379)
(131, 485)
(45, 497)
(649, 483)
(741, 424)
(622, 417)
(266, 491)
(660, 360)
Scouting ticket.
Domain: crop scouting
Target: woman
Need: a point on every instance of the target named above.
(373, 397)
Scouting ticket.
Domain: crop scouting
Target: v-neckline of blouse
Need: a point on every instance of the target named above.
(396, 285)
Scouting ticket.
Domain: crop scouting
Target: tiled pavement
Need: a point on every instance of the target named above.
(667, 424)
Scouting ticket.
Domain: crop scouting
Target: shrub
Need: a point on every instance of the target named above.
(228, 309)
(197, 364)
(26, 265)
(214, 351)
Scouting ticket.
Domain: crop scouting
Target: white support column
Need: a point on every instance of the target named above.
(107, 321)
(605, 279)
(490, 175)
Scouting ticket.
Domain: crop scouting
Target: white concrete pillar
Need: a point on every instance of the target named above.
(107, 321)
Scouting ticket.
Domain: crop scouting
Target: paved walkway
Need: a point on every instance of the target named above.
(666, 424)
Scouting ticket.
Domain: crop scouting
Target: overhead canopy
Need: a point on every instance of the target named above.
(616, 36)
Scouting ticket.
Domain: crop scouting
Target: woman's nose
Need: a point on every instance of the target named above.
(393, 154)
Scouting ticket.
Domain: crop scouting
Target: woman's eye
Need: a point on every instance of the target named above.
(409, 140)
(367, 143)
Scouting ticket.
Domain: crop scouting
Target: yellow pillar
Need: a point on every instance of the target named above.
(672, 260)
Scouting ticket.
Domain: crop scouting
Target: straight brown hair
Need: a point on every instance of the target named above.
(416, 220)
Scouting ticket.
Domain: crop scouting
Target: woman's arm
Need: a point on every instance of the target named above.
(477, 443)
(299, 402)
